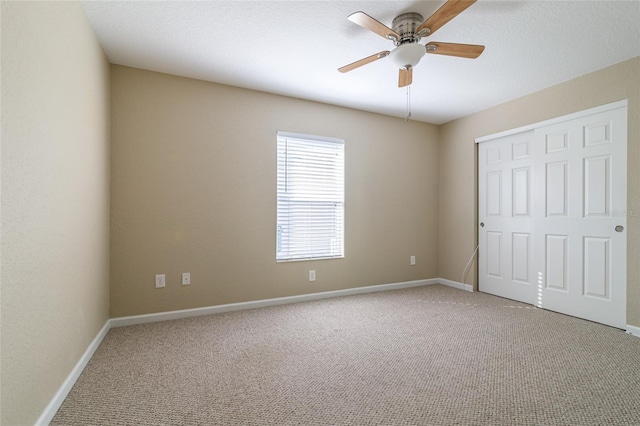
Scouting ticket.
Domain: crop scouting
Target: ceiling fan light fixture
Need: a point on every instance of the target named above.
(407, 55)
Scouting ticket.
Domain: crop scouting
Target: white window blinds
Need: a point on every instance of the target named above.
(310, 216)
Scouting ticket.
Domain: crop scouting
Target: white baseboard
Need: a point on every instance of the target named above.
(633, 330)
(57, 400)
(456, 284)
(187, 313)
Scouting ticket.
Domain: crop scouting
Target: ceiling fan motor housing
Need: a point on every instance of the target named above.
(408, 52)
(406, 25)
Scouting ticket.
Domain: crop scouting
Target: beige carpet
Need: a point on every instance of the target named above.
(422, 356)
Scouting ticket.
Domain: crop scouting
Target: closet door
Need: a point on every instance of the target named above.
(580, 217)
(505, 214)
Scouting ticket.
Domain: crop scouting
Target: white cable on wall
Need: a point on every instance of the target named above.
(464, 272)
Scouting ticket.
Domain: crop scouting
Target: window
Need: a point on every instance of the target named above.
(310, 212)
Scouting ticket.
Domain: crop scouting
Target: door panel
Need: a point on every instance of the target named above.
(494, 193)
(549, 203)
(494, 251)
(505, 207)
(521, 191)
(583, 257)
(597, 186)
(597, 133)
(556, 195)
(557, 142)
(596, 265)
(521, 257)
(556, 262)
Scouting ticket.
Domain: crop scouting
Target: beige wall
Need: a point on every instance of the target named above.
(55, 200)
(193, 190)
(457, 178)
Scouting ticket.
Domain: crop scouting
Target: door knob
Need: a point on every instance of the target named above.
(619, 228)
(481, 224)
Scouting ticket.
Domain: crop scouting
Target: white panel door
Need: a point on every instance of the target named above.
(580, 199)
(505, 212)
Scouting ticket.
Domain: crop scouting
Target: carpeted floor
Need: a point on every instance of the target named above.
(422, 356)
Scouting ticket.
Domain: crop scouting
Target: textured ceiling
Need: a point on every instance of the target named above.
(294, 48)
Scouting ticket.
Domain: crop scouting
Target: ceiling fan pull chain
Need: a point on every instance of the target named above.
(408, 103)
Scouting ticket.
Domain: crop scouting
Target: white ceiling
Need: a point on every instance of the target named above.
(294, 48)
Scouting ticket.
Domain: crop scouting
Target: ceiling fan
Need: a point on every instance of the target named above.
(408, 29)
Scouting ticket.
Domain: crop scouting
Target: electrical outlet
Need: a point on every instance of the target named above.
(160, 281)
(186, 278)
(312, 275)
(413, 260)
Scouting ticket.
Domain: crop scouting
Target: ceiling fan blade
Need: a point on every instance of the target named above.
(371, 24)
(406, 77)
(470, 51)
(364, 61)
(447, 12)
